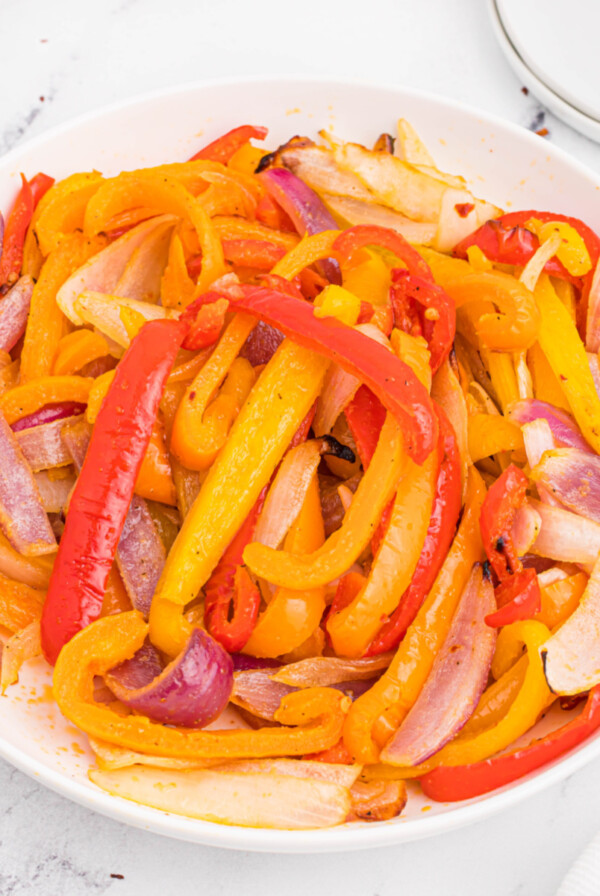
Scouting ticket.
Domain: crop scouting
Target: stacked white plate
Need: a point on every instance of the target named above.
(552, 45)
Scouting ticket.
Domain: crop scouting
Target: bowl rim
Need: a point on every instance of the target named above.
(357, 835)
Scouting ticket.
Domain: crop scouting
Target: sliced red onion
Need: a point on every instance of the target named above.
(447, 392)
(48, 414)
(256, 692)
(190, 692)
(304, 207)
(325, 671)
(43, 446)
(357, 211)
(140, 555)
(538, 438)
(103, 271)
(566, 536)
(571, 476)
(76, 437)
(570, 656)
(142, 276)
(550, 576)
(243, 663)
(344, 775)
(14, 310)
(458, 677)
(22, 516)
(564, 430)
(286, 496)
(594, 369)
(54, 491)
(525, 528)
(261, 344)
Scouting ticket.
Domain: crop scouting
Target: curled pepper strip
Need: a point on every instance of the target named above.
(393, 381)
(463, 782)
(442, 526)
(316, 714)
(497, 516)
(437, 312)
(351, 241)
(302, 571)
(352, 629)
(194, 440)
(375, 716)
(101, 497)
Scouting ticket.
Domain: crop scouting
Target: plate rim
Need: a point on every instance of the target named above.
(356, 836)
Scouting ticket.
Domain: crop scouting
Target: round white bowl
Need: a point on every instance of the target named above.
(503, 163)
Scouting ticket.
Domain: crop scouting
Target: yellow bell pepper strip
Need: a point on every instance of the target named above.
(352, 630)
(414, 352)
(100, 500)
(195, 440)
(292, 616)
(515, 326)
(369, 279)
(376, 715)
(560, 342)
(100, 387)
(281, 398)
(502, 374)
(20, 605)
(302, 571)
(335, 301)
(165, 193)
(309, 250)
(47, 324)
(393, 381)
(490, 434)
(546, 385)
(310, 719)
(187, 370)
(77, 349)
(62, 209)
(27, 398)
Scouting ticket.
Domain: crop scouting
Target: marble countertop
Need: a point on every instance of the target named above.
(64, 58)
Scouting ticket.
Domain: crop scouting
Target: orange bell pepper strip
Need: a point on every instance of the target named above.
(310, 720)
(166, 194)
(197, 437)
(20, 605)
(77, 349)
(177, 287)
(47, 324)
(230, 227)
(515, 326)
(155, 479)
(116, 600)
(62, 209)
(490, 433)
(339, 552)
(292, 616)
(353, 628)
(560, 599)
(376, 715)
(280, 400)
(29, 397)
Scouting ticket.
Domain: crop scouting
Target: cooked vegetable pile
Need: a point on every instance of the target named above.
(300, 477)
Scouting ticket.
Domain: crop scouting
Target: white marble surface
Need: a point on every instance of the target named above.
(66, 57)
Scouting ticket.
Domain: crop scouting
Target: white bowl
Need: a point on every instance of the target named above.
(510, 166)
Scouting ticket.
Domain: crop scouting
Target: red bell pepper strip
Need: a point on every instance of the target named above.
(104, 488)
(230, 587)
(518, 597)
(272, 215)
(231, 600)
(16, 226)
(387, 376)
(365, 415)
(508, 244)
(502, 501)
(224, 147)
(463, 782)
(206, 325)
(435, 309)
(442, 526)
(259, 254)
(356, 238)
